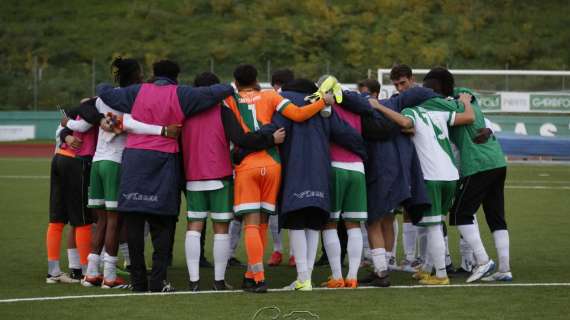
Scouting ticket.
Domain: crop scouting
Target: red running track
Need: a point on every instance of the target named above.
(14, 150)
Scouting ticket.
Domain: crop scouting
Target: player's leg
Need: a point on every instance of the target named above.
(494, 208)
(57, 219)
(235, 235)
(221, 202)
(389, 239)
(354, 211)
(135, 222)
(380, 275)
(161, 229)
(331, 241)
(409, 240)
(276, 256)
(472, 190)
(431, 220)
(197, 211)
(247, 204)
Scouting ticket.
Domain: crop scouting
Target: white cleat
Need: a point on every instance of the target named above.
(406, 266)
(61, 278)
(392, 265)
(499, 276)
(481, 271)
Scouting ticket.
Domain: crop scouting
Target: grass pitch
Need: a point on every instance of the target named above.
(538, 201)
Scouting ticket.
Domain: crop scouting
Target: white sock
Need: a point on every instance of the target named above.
(53, 268)
(235, 234)
(365, 244)
(275, 234)
(422, 243)
(436, 250)
(378, 256)
(332, 247)
(312, 246)
(409, 238)
(124, 250)
(467, 258)
(93, 261)
(354, 252)
(221, 255)
(110, 267)
(447, 254)
(102, 254)
(502, 244)
(192, 248)
(73, 258)
(471, 235)
(394, 252)
(298, 241)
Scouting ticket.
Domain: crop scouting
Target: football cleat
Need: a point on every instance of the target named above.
(92, 281)
(257, 287)
(194, 286)
(421, 275)
(333, 283)
(76, 274)
(406, 266)
(481, 271)
(434, 281)
(275, 259)
(221, 285)
(351, 283)
(382, 279)
(498, 276)
(392, 265)
(118, 283)
(247, 283)
(60, 278)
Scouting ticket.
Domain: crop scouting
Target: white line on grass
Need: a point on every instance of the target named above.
(119, 295)
(539, 187)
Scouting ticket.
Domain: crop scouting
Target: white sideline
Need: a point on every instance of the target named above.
(118, 295)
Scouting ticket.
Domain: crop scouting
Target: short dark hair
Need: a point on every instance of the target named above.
(127, 71)
(245, 75)
(372, 84)
(205, 79)
(166, 68)
(399, 71)
(440, 80)
(282, 76)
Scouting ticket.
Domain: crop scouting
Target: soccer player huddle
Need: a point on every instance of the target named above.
(308, 157)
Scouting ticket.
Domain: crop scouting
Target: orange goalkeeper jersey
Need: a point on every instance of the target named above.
(255, 109)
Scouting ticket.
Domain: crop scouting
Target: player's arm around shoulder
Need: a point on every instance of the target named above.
(468, 115)
(401, 120)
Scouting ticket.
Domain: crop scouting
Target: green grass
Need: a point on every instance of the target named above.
(538, 222)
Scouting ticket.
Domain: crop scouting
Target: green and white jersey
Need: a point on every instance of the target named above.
(474, 157)
(431, 140)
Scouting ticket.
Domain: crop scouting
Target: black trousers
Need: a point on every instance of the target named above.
(161, 230)
(485, 188)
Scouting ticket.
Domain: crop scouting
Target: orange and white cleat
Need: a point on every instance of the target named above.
(118, 283)
(276, 258)
(351, 283)
(333, 283)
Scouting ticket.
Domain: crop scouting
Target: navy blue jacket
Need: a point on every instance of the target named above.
(305, 157)
(393, 172)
